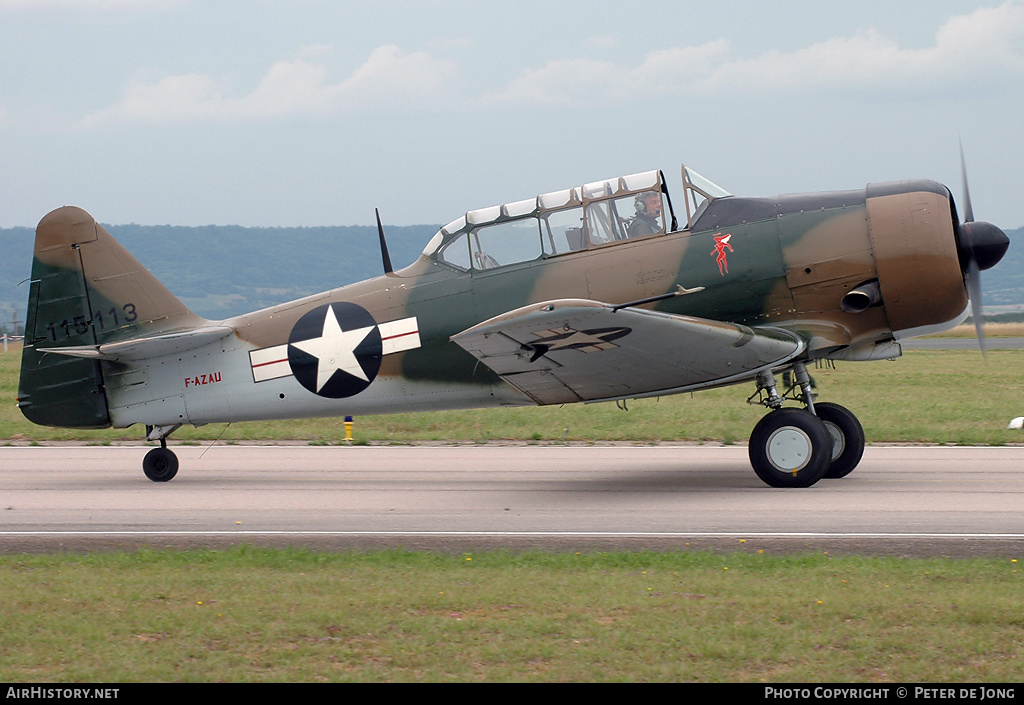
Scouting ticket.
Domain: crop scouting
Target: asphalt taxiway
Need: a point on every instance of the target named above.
(902, 500)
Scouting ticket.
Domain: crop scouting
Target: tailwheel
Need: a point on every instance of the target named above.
(790, 448)
(160, 464)
(847, 438)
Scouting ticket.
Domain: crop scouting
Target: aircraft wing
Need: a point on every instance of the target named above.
(573, 350)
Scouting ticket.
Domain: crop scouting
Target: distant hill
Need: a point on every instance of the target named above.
(1003, 285)
(222, 271)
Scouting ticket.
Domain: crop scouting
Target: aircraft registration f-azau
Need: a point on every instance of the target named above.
(594, 293)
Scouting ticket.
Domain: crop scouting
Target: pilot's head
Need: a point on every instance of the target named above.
(648, 203)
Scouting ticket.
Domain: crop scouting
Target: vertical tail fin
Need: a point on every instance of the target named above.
(86, 290)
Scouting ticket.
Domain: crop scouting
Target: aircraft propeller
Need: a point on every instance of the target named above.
(979, 245)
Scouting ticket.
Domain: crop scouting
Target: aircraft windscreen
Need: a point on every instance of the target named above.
(706, 187)
(434, 243)
(698, 192)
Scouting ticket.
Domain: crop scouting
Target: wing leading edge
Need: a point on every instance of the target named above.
(573, 350)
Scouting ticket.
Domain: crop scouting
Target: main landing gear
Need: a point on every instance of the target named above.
(797, 447)
(160, 464)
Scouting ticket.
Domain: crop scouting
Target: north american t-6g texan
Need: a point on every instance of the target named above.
(594, 293)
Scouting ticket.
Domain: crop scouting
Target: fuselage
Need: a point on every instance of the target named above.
(848, 272)
(784, 262)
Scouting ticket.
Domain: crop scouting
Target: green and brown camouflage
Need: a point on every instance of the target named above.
(586, 294)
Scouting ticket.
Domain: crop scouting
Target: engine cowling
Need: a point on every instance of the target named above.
(912, 226)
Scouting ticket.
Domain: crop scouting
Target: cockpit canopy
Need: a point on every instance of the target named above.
(594, 215)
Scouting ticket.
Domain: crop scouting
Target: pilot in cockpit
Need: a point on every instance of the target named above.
(648, 215)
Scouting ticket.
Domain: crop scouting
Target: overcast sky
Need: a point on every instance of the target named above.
(310, 112)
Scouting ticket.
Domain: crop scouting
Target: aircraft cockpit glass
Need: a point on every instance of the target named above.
(495, 245)
(596, 214)
(484, 215)
(698, 192)
(454, 226)
(510, 242)
(520, 208)
(638, 215)
(439, 237)
(559, 199)
(562, 231)
(456, 252)
(434, 243)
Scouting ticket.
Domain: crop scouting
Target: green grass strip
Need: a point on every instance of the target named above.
(266, 615)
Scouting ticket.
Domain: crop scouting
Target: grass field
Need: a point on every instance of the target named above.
(992, 330)
(294, 616)
(957, 397)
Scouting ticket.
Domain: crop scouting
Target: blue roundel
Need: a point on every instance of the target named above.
(335, 350)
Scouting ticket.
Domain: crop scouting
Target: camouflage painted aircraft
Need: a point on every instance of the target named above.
(594, 293)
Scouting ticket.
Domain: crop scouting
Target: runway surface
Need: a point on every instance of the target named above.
(910, 500)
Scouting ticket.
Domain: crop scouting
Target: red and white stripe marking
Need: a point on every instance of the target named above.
(395, 336)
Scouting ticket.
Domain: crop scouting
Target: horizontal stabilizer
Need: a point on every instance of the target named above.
(146, 347)
(579, 350)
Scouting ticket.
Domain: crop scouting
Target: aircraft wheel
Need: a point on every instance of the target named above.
(160, 465)
(847, 438)
(790, 448)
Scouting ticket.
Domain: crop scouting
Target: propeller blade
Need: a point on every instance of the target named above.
(973, 280)
(968, 211)
(979, 246)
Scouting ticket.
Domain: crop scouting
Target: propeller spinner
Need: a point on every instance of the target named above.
(979, 246)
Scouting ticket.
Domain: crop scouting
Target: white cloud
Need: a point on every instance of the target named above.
(969, 47)
(981, 48)
(590, 82)
(561, 82)
(389, 79)
(172, 99)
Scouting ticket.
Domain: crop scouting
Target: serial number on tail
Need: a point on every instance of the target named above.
(101, 320)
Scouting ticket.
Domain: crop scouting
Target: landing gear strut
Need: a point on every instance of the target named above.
(798, 447)
(160, 464)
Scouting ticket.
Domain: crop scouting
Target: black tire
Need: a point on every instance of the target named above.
(160, 465)
(847, 438)
(790, 448)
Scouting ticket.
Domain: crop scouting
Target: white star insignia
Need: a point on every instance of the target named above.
(335, 349)
(579, 340)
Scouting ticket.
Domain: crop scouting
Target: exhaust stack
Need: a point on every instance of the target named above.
(862, 298)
